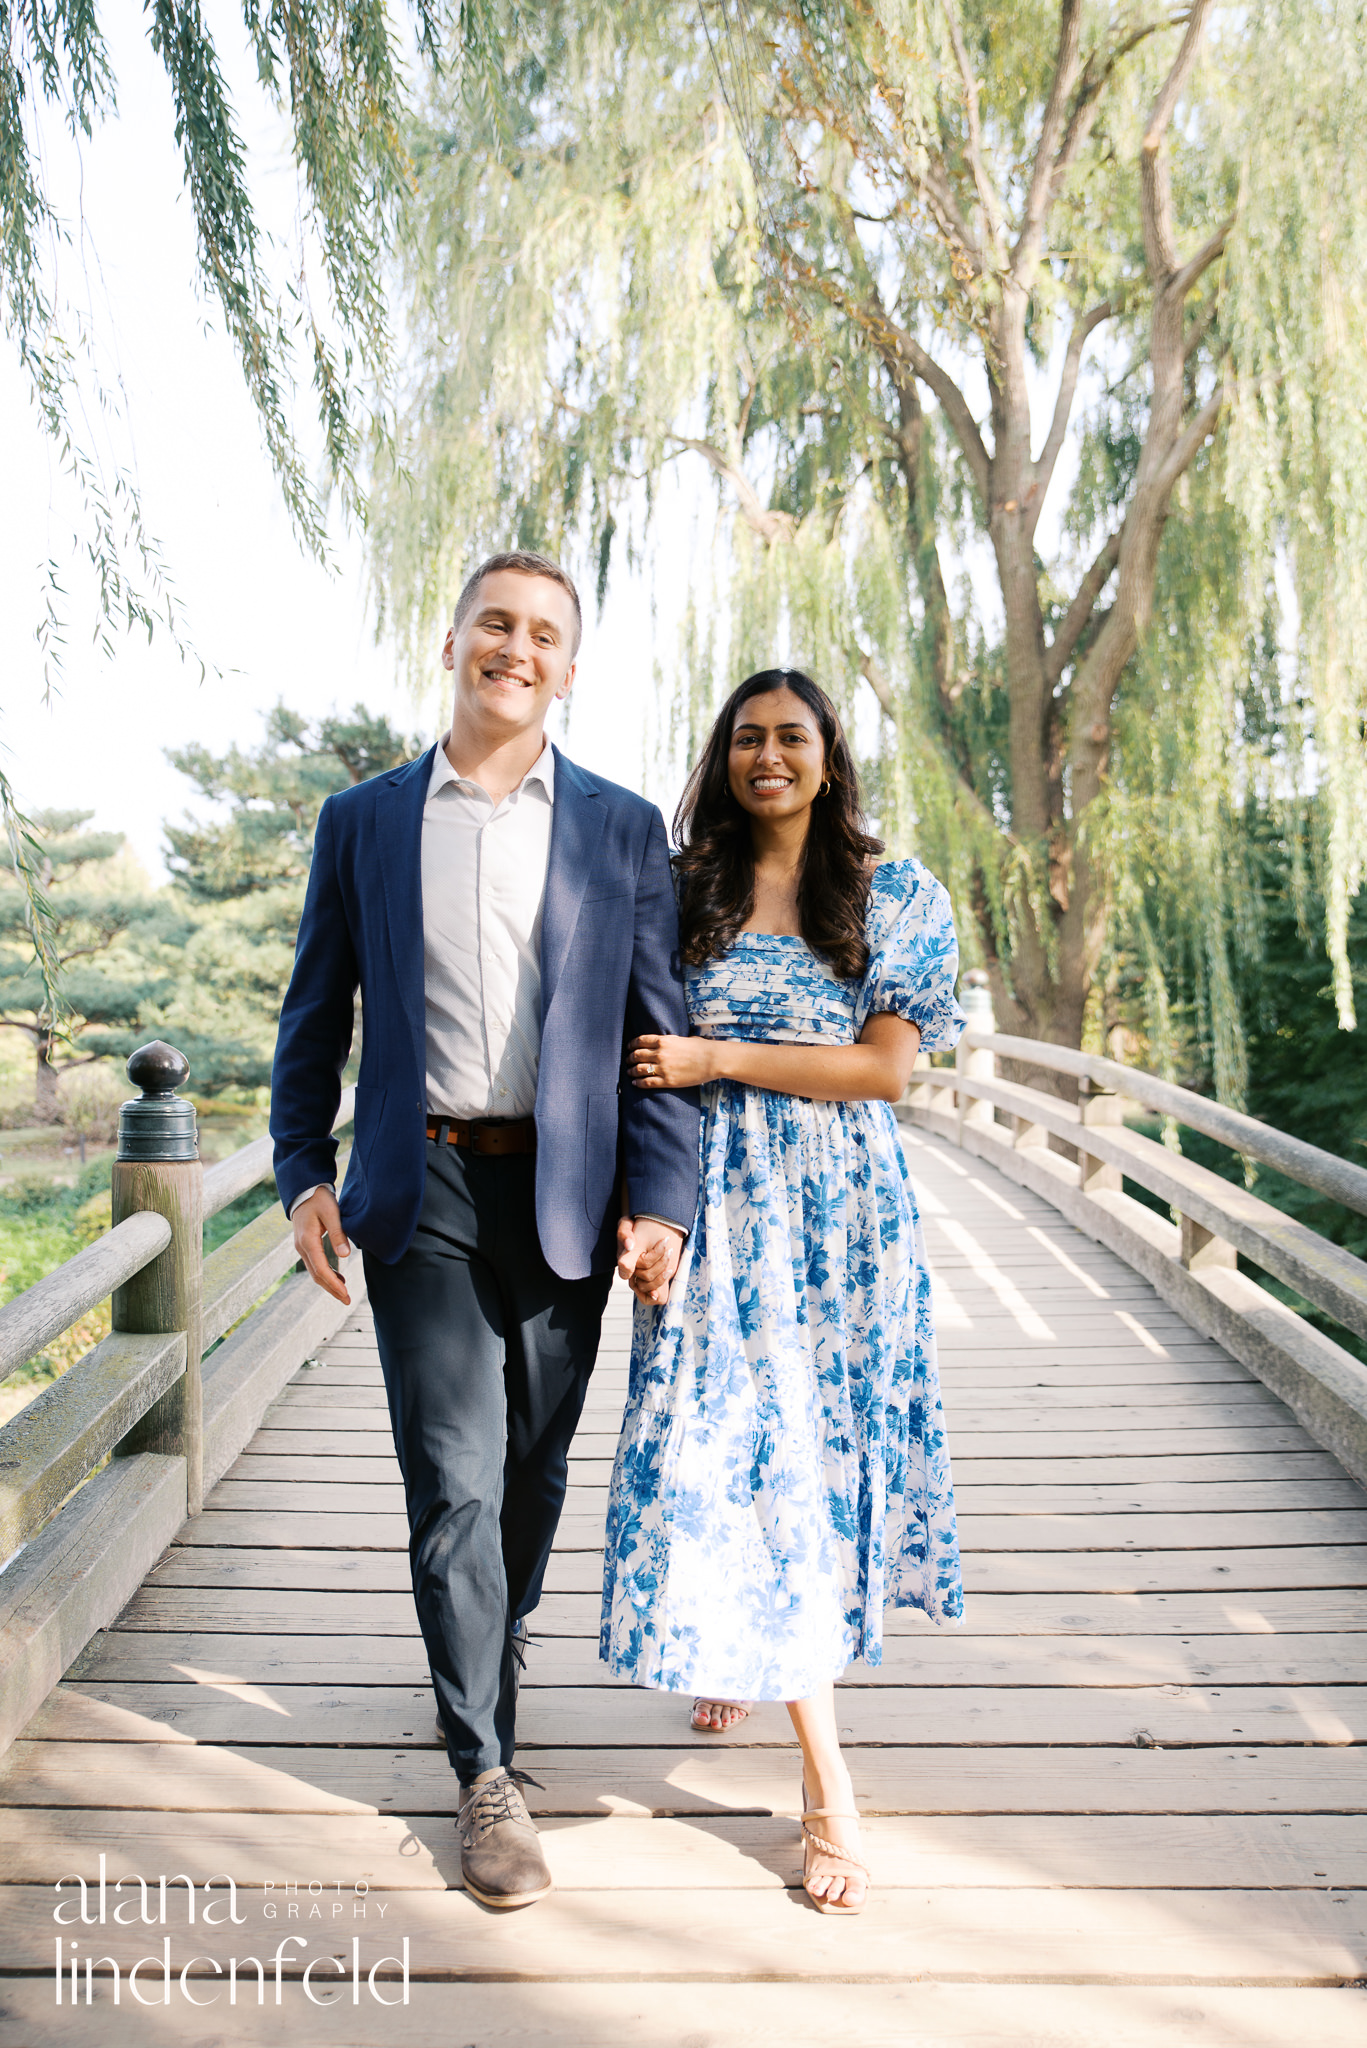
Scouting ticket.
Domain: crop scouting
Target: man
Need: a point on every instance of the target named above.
(510, 922)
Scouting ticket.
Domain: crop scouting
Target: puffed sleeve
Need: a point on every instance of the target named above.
(914, 961)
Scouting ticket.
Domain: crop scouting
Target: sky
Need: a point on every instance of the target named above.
(271, 621)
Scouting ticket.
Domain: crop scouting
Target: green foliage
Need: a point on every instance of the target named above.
(276, 791)
(1304, 1075)
(331, 69)
(38, 1198)
(1301, 1073)
(104, 931)
(43, 1223)
(799, 242)
(240, 880)
(25, 858)
(205, 963)
(229, 985)
(238, 1215)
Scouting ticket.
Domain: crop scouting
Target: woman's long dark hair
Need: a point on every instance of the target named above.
(716, 863)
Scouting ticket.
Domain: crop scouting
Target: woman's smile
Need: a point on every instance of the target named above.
(777, 756)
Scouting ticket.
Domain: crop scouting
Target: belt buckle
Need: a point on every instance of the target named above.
(483, 1123)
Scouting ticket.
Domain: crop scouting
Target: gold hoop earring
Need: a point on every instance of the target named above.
(824, 787)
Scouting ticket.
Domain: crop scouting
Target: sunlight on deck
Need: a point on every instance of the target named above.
(986, 1268)
(1122, 1806)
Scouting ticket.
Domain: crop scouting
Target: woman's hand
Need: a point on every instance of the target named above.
(657, 1061)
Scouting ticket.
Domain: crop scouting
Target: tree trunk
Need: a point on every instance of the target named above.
(1050, 992)
(1063, 909)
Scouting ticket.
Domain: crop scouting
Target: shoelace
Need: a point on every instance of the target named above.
(496, 1801)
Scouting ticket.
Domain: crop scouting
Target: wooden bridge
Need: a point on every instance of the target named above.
(1123, 1806)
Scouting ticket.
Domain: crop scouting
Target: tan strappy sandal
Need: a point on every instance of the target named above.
(809, 1835)
(742, 1712)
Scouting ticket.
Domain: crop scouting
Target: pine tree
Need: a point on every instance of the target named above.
(103, 929)
(242, 880)
(276, 791)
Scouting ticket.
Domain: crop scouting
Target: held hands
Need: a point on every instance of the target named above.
(657, 1061)
(648, 1256)
(312, 1218)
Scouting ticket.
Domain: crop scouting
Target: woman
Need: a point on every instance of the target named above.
(782, 1473)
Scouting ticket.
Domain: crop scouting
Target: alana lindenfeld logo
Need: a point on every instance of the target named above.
(333, 1975)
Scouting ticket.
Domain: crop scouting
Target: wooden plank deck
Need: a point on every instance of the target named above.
(1124, 1805)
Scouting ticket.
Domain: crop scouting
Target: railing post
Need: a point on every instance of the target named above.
(919, 1093)
(1101, 1109)
(158, 1167)
(1028, 1136)
(1202, 1251)
(976, 1062)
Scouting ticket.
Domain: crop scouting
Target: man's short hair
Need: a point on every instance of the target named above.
(526, 562)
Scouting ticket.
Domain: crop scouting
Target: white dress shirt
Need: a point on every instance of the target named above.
(483, 890)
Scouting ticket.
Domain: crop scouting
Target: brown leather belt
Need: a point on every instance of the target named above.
(490, 1140)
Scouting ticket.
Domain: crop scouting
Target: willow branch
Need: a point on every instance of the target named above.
(1200, 328)
(1189, 443)
(1045, 178)
(770, 526)
(931, 180)
(879, 684)
(987, 197)
(892, 340)
(1197, 266)
(1165, 105)
(1156, 185)
(1088, 101)
(1074, 621)
(956, 408)
(882, 690)
(1063, 403)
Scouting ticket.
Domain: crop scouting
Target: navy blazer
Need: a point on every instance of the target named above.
(609, 969)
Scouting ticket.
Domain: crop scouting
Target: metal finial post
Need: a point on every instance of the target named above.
(158, 1167)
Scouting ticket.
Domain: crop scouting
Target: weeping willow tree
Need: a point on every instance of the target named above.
(314, 312)
(1026, 348)
(331, 69)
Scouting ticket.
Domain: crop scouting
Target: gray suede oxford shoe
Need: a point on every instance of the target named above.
(500, 1853)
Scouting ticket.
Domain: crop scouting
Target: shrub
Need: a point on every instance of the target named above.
(90, 1098)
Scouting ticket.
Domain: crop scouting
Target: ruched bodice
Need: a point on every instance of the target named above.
(772, 987)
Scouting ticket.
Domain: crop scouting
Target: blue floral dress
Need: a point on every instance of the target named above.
(782, 1474)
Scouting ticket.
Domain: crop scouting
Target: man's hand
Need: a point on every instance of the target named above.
(648, 1257)
(319, 1215)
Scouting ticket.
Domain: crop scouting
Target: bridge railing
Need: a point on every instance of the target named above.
(100, 1470)
(1078, 1156)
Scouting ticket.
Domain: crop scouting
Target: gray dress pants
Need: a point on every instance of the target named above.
(486, 1355)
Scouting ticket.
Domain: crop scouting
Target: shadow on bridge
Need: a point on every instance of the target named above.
(1123, 1804)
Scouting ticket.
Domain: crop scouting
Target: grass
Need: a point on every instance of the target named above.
(45, 1218)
